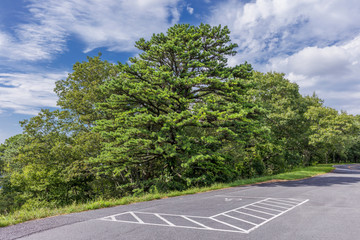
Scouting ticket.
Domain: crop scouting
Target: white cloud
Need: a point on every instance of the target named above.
(315, 42)
(333, 72)
(114, 24)
(45, 29)
(265, 28)
(32, 42)
(190, 9)
(314, 61)
(26, 93)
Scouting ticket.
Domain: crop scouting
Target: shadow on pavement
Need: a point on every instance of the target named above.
(338, 176)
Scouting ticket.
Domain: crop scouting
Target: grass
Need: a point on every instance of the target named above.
(36, 213)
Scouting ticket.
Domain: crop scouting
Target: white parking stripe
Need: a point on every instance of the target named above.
(277, 216)
(165, 220)
(136, 217)
(286, 201)
(228, 224)
(272, 205)
(165, 225)
(257, 205)
(239, 207)
(280, 203)
(164, 214)
(271, 214)
(191, 220)
(240, 219)
(252, 210)
(251, 215)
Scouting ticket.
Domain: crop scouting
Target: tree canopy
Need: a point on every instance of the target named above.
(175, 116)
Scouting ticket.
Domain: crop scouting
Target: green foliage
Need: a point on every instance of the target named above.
(285, 108)
(172, 111)
(49, 162)
(81, 90)
(333, 134)
(40, 211)
(173, 118)
(50, 165)
(9, 194)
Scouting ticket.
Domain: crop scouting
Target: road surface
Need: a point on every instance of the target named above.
(323, 207)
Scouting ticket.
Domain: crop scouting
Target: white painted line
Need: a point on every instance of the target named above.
(287, 201)
(232, 196)
(165, 225)
(167, 214)
(266, 208)
(277, 216)
(191, 220)
(240, 219)
(248, 207)
(293, 199)
(136, 217)
(250, 215)
(239, 208)
(228, 224)
(115, 215)
(259, 211)
(165, 220)
(272, 205)
(280, 203)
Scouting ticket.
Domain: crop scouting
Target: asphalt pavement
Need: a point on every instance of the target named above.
(322, 207)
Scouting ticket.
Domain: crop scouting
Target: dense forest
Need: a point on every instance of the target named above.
(174, 117)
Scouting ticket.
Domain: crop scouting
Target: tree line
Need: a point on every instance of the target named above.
(174, 117)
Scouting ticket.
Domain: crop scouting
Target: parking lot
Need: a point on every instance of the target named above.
(323, 207)
(251, 214)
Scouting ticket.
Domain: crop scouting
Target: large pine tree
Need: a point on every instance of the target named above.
(177, 111)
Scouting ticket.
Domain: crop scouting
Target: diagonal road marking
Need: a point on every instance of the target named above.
(237, 229)
(228, 224)
(279, 203)
(271, 209)
(272, 205)
(165, 220)
(271, 214)
(239, 219)
(191, 220)
(251, 215)
(136, 217)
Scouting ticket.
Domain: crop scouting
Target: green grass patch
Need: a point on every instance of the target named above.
(36, 213)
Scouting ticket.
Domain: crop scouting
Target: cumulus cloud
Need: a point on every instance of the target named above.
(333, 72)
(315, 61)
(27, 93)
(114, 24)
(265, 28)
(315, 42)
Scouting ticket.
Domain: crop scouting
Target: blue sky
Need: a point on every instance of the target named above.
(316, 43)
